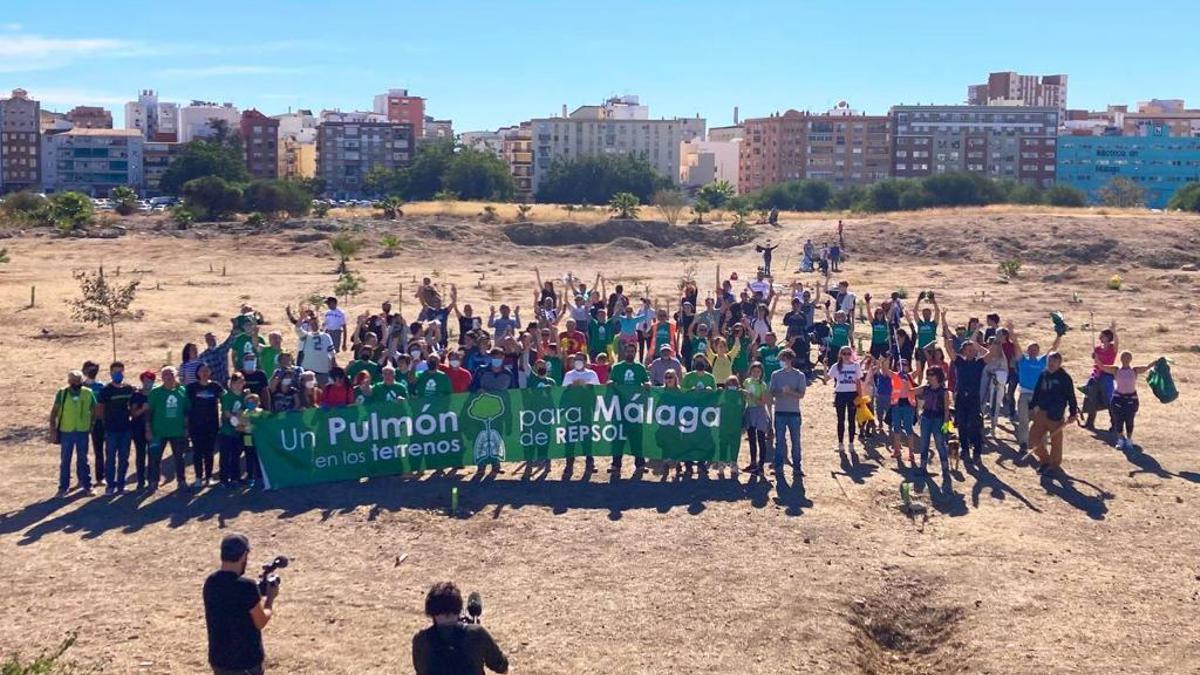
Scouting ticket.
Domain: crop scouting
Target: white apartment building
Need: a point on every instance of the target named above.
(158, 121)
(195, 120)
(619, 126)
(702, 162)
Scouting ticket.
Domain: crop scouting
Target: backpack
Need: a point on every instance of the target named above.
(1160, 381)
(449, 652)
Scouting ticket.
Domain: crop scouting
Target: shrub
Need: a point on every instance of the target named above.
(1122, 193)
(1010, 268)
(320, 209)
(1114, 282)
(345, 247)
(700, 208)
(391, 207)
(68, 211)
(278, 196)
(390, 242)
(1185, 199)
(596, 179)
(211, 197)
(523, 212)
(716, 193)
(670, 203)
(124, 200)
(23, 205)
(624, 205)
(1065, 195)
(182, 216)
(797, 195)
(256, 219)
(489, 214)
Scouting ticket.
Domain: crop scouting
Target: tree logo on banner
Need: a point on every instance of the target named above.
(489, 444)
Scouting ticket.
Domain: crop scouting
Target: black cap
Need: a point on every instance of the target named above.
(233, 547)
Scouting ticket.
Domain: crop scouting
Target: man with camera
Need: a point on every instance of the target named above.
(455, 645)
(236, 611)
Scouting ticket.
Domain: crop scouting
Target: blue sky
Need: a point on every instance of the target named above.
(489, 63)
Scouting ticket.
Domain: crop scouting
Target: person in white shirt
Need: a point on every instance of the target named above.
(761, 286)
(846, 375)
(316, 351)
(335, 323)
(580, 374)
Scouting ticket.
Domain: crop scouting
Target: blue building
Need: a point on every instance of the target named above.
(1159, 164)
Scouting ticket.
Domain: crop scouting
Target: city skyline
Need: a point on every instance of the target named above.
(487, 66)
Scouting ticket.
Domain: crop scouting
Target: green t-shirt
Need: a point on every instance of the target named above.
(359, 365)
(926, 333)
(753, 391)
(741, 362)
(554, 367)
(168, 412)
(245, 344)
(361, 397)
(432, 383)
(626, 373)
(769, 356)
(600, 335)
(879, 332)
(698, 379)
(230, 403)
(268, 359)
(389, 392)
(540, 382)
(839, 335)
(699, 345)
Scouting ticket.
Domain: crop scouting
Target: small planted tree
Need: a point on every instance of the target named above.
(124, 200)
(670, 203)
(392, 207)
(349, 285)
(344, 247)
(391, 243)
(103, 303)
(3, 255)
(68, 211)
(624, 206)
(1122, 193)
(716, 193)
(700, 208)
(523, 212)
(321, 209)
(489, 214)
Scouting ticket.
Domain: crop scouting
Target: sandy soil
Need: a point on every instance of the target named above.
(1009, 574)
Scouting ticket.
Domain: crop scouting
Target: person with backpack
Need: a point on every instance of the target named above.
(450, 646)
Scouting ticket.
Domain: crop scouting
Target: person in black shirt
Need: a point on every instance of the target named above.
(139, 414)
(968, 374)
(257, 381)
(450, 646)
(114, 411)
(204, 419)
(235, 613)
(1053, 396)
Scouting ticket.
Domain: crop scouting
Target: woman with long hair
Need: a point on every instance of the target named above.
(934, 399)
(846, 375)
(1124, 405)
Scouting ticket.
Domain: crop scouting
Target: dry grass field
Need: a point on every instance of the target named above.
(1010, 573)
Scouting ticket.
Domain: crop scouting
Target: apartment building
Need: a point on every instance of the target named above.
(260, 143)
(351, 144)
(89, 117)
(200, 119)
(703, 161)
(841, 146)
(158, 121)
(397, 106)
(93, 161)
(618, 126)
(297, 147)
(1009, 88)
(516, 148)
(156, 157)
(434, 130)
(20, 143)
(1160, 164)
(1012, 142)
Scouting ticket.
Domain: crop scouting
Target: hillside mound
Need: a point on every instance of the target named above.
(656, 233)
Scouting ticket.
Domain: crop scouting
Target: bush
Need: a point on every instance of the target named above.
(1122, 193)
(23, 205)
(1065, 195)
(124, 200)
(182, 216)
(473, 174)
(392, 207)
(1186, 199)
(595, 179)
(624, 205)
(211, 198)
(1010, 268)
(716, 193)
(68, 211)
(256, 219)
(670, 203)
(797, 195)
(277, 196)
(46, 663)
(320, 209)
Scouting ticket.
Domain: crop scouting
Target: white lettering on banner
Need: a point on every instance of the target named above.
(299, 439)
(383, 428)
(687, 418)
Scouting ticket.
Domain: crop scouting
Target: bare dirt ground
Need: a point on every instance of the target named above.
(1010, 574)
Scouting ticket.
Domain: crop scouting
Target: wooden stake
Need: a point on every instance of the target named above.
(32, 295)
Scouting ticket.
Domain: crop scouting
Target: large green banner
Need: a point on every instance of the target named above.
(379, 439)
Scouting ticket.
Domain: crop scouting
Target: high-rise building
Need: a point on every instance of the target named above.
(996, 141)
(90, 117)
(434, 130)
(1009, 88)
(397, 106)
(516, 148)
(349, 145)
(158, 121)
(841, 147)
(260, 143)
(156, 157)
(93, 161)
(704, 161)
(200, 119)
(616, 127)
(1160, 164)
(20, 143)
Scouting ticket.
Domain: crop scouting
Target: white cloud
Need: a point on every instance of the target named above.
(10, 26)
(25, 52)
(223, 71)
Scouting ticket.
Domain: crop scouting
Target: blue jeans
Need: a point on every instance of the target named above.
(116, 458)
(77, 442)
(787, 422)
(932, 427)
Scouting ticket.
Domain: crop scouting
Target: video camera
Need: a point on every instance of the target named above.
(269, 579)
(474, 608)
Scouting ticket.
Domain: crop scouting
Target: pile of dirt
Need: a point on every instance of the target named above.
(656, 233)
(903, 629)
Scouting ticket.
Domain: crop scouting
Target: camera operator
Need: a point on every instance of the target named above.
(454, 646)
(236, 612)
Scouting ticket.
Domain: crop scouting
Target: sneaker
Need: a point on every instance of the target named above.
(110, 490)
(852, 447)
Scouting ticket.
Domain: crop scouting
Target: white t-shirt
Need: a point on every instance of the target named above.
(761, 286)
(315, 350)
(845, 377)
(585, 376)
(335, 319)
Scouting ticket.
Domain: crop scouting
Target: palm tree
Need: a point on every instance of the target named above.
(624, 205)
(124, 199)
(391, 207)
(345, 247)
(700, 208)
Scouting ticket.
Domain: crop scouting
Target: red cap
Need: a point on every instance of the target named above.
(733, 277)
(148, 375)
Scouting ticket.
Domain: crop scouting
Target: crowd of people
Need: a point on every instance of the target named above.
(907, 379)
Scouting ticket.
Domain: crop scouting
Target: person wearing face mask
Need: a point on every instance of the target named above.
(699, 377)
(168, 404)
(253, 411)
(229, 439)
(390, 389)
(257, 381)
(113, 407)
(539, 379)
(460, 378)
(580, 374)
(204, 421)
(338, 392)
(286, 384)
(497, 376)
(432, 381)
(71, 422)
(310, 394)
